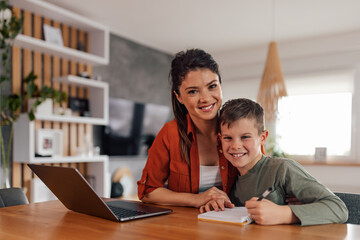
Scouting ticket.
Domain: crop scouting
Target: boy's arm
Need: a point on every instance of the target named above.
(321, 206)
(265, 212)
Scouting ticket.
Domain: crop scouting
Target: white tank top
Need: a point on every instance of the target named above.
(209, 177)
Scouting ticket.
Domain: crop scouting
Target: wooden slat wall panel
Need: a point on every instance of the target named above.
(65, 71)
(16, 88)
(46, 67)
(81, 67)
(37, 29)
(37, 55)
(27, 66)
(73, 64)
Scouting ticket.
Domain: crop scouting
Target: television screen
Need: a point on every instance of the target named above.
(132, 126)
(121, 113)
(154, 118)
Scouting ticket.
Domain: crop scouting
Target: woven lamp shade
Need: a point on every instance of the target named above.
(272, 86)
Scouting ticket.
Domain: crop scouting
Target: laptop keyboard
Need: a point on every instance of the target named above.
(123, 213)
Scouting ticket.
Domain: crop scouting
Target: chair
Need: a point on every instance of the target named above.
(11, 197)
(352, 202)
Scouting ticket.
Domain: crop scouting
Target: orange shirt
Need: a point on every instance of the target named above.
(165, 163)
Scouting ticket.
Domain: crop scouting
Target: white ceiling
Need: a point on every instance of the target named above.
(218, 26)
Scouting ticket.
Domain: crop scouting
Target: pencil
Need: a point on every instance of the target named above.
(265, 194)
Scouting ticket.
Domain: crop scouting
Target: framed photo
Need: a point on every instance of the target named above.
(320, 154)
(48, 142)
(53, 35)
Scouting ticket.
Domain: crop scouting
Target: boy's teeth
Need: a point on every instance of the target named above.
(239, 154)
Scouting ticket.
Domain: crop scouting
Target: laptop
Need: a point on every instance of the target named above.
(71, 188)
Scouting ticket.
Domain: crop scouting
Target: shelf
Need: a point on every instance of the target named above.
(71, 119)
(63, 52)
(98, 34)
(80, 81)
(77, 159)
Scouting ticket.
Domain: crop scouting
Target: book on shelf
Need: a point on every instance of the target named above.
(236, 215)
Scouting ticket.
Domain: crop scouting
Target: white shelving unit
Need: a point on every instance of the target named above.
(98, 34)
(24, 130)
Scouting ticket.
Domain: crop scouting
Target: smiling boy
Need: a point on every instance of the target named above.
(242, 135)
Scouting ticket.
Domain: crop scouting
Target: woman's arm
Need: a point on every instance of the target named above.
(165, 196)
(216, 205)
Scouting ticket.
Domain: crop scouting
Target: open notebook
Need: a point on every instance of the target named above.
(237, 215)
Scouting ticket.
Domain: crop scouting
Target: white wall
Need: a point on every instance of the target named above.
(337, 178)
(242, 71)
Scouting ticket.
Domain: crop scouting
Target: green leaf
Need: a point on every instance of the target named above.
(13, 102)
(31, 115)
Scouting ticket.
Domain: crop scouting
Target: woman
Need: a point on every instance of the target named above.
(185, 155)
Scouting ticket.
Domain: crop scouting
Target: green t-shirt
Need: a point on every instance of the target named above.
(287, 177)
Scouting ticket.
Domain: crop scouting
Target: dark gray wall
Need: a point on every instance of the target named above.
(136, 72)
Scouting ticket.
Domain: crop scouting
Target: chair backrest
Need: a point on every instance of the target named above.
(11, 197)
(352, 202)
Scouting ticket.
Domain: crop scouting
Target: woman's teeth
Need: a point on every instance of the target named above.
(207, 108)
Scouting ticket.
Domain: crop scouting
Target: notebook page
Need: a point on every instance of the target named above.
(237, 215)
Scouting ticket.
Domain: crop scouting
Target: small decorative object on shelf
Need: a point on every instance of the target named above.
(53, 35)
(45, 108)
(79, 107)
(63, 111)
(84, 75)
(81, 46)
(320, 154)
(97, 77)
(87, 149)
(48, 142)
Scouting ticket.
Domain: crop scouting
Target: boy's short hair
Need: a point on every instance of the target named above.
(240, 108)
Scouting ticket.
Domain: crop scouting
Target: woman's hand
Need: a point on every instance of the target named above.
(211, 194)
(216, 204)
(265, 212)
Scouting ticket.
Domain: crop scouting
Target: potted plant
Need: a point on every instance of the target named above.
(10, 27)
(12, 103)
(39, 96)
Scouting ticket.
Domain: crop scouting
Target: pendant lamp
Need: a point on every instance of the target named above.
(272, 86)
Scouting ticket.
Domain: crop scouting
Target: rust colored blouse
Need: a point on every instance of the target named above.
(165, 163)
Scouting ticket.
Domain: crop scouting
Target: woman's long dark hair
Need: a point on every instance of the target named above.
(182, 64)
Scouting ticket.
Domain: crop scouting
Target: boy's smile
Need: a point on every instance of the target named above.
(241, 144)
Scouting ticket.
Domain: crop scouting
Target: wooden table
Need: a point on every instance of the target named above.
(51, 220)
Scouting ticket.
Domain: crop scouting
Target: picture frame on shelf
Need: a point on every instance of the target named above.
(48, 142)
(320, 154)
(53, 35)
